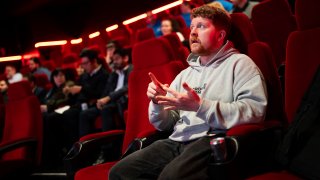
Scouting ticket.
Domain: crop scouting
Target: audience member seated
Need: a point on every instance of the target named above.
(12, 74)
(113, 102)
(154, 23)
(114, 97)
(111, 46)
(3, 90)
(36, 68)
(36, 90)
(243, 6)
(55, 98)
(185, 9)
(216, 4)
(84, 94)
(169, 26)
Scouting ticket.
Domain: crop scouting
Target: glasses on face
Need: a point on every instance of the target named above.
(84, 63)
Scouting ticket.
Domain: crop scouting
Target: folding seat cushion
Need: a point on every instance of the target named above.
(273, 22)
(20, 148)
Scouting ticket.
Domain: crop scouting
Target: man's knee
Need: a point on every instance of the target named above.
(116, 171)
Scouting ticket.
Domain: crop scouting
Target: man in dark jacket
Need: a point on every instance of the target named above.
(114, 99)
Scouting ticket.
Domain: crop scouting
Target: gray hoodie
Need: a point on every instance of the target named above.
(233, 92)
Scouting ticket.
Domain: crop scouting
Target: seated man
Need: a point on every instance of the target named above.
(220, 89)
(114, 98)
(12, 75)
(36, 68)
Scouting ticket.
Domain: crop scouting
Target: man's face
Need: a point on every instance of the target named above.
(9, 71)
(3, 86)
(119, 62)
(32, 65)
(204, 36)
(86, 64)
(166, 27)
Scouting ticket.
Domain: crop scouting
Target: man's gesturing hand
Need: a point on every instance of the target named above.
(189, 101)
(155, 88)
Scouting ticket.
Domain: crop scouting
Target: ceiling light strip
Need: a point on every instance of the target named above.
(50, 43)
(10, 58)
(168, 6)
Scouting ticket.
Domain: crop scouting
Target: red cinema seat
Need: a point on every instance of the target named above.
(21, 144)
(144, 34)
(273, 22)
(254, 139)
(301, 64)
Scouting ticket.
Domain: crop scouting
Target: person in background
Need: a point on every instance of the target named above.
(169, 26)
(111, 47)
(243, 6)
(216, 4)
(3, 90)
(12, 75)
(55, 98)
(114, 97)
(36, 90)
(154, 23)
(219, 90)
(113, 102)
(185, 9)
(84, 93)
(36, 68)
(227, 5)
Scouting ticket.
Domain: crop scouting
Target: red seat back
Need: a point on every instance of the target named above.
(273, 22)
(261, 54)
(148, 56)
(302, 54)
(144, 34)
(23, 120)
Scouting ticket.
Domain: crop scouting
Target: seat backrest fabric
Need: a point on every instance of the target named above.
(148, 56)
(273, 22)
(22, 120)
(144, 34)
(243, 36)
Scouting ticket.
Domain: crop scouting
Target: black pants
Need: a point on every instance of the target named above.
(87, 119)
(166, 159)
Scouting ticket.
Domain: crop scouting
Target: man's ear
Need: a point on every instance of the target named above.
(222, 35)
(126, 59)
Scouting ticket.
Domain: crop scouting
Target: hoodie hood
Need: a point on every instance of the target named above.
(225, 51)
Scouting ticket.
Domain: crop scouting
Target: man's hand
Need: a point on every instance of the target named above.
(75, 89)
(189, 101)
(155, 88)
(43, 108)
(102, 101)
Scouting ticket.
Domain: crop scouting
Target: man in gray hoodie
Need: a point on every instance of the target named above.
(219, 90)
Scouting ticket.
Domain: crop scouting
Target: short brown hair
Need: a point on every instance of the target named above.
(219, 17)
